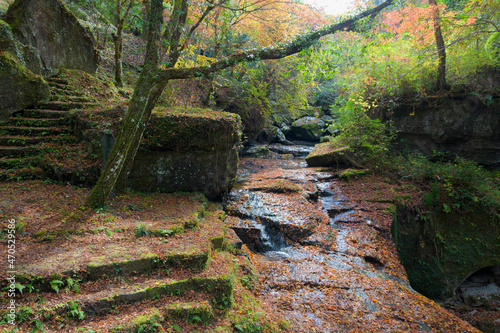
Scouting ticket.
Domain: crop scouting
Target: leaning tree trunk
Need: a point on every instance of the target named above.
(130, 133)
(441, 48)
(121, 182)
(132, 126)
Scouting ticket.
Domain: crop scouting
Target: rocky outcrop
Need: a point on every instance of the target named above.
(19, 88)
(328, 154)
(184, 151)
(51, 36)
(468, 126)
(441, 249)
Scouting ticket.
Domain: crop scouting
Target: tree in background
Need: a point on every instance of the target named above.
(159, 68)
(121, 14)
(441, 48)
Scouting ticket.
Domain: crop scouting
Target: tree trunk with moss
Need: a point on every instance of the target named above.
(153, 80)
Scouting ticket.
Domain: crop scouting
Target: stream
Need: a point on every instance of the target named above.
(326, 260)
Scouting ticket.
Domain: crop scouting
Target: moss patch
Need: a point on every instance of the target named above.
(328, 154)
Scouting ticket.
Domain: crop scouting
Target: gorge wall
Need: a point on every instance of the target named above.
(467, 125)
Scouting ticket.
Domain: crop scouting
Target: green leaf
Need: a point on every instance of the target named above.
(54, 284)
(446, 208)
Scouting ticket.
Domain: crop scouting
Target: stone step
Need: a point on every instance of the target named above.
(9, 151)
(97, 270)
(69, 98)
(34, 131)
(40, 113)
(59, 91)
(18, 163)
(59, 105)
(18, 140)
(101, 302)
(39, 122)
(23, 173)
(58, 85)
(149, 319)
(52, 79)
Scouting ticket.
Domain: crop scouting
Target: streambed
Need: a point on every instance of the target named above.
(326, 260)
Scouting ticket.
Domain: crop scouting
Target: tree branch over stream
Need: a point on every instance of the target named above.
(267, 53)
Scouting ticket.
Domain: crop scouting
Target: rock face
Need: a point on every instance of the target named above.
(466, 126)
(19, 87)
(188, 152)
(440, 250)
(52, 34)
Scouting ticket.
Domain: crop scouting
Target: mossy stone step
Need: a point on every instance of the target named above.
(18, 140)
(58, 105)
(39, 122)
(220, 290)
(18, 163)
(57, 85)
(39, 113)
(70, 98)
(65, 91)
(58, 80)
(24, 173)
(34, 131)
(9, 151)
(98, 268)
(191, 311)
(195, 312)
(141, 323)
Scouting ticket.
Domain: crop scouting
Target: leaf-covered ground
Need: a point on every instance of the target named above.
(58, 240)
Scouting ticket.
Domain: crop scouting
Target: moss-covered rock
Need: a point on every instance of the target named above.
(188, 150)
(19, 87)
(441, 249)
(328, 154)
(56, 34)
(7, 42)
(349, 174)
(307, 129)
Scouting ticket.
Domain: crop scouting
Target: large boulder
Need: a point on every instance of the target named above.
(329, 154)
(19, 87)
(51, 32)
(188, 151)
(307, 129)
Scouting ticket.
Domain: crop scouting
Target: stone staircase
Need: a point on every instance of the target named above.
(25, 136)
(184, 282)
